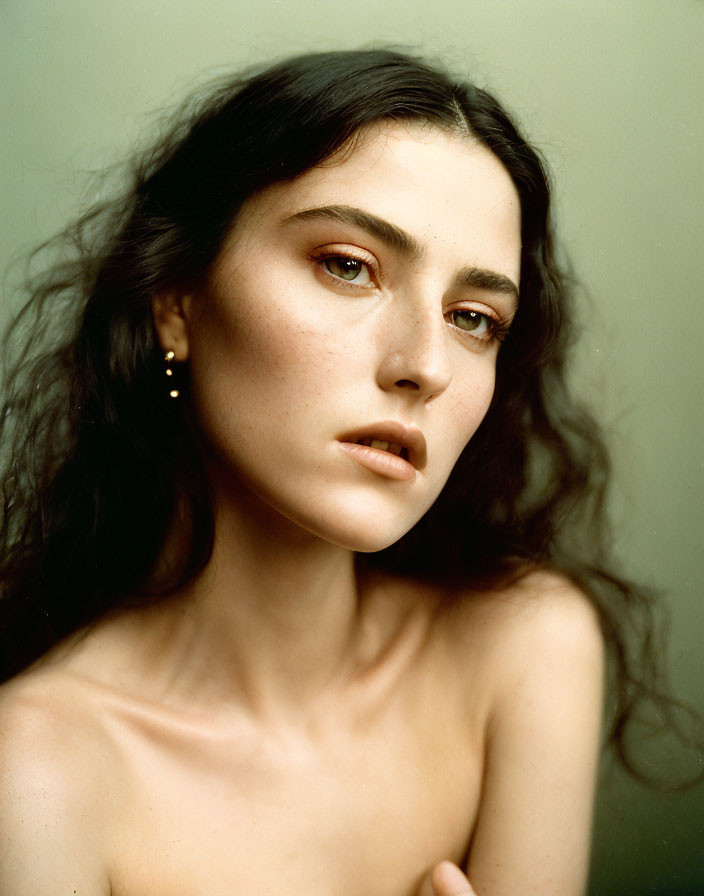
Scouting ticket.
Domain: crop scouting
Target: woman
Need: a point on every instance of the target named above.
(297, 591)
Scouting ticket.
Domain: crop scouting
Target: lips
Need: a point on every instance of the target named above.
(390, 448)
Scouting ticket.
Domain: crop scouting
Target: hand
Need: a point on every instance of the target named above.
(445, 879)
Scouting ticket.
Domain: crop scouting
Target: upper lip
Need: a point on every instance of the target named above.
(409, 437)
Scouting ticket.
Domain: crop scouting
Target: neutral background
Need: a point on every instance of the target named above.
(611, 91)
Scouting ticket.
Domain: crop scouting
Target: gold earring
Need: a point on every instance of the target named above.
(168, 357)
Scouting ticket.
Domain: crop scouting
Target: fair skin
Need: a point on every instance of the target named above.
(283, 725)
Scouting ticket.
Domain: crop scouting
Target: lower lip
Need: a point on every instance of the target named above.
(382, 462)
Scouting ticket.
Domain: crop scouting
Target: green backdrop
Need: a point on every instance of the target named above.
(611, 90)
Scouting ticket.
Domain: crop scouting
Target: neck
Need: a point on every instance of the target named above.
(273, 620)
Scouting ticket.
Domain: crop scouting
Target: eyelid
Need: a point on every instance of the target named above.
(474, 305)
(355, 253)
(498, 325)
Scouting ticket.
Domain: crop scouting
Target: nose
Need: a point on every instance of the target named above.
(415, 358)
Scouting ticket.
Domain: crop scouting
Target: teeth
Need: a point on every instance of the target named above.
(391, 447)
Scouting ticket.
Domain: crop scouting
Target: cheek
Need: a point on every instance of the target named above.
(470, 399)
(243, 339)
(258, 362)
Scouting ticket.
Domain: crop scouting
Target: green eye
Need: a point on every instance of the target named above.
(471, 321)
(348, 269)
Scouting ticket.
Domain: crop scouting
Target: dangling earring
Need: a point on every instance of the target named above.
(168, 357)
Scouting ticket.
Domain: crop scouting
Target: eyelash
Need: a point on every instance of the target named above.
(497, 327)
(322, 257)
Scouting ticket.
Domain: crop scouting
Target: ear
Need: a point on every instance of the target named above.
(170, 310)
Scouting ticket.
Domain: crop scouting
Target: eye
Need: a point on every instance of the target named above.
(481, 326)
(344, 267)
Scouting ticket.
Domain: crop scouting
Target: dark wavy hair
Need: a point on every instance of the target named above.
(98, 461)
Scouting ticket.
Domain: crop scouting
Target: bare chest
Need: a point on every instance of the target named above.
(360, 814)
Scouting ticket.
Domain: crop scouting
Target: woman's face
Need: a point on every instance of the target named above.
(362, 301)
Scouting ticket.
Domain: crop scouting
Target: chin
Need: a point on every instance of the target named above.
(368, 542)
(363, 518)
(361, 532)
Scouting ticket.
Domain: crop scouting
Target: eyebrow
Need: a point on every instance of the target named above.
(388, 233)
(402, 242)
(490, 281)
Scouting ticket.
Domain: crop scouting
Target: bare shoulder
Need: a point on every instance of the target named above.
(53, 765)
(554, 616)
(541, 663)
(546, 607)
(539, 633)
(47, 718)
(542, 611)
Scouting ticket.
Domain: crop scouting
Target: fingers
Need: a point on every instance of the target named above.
(426, 888)
(446, 879)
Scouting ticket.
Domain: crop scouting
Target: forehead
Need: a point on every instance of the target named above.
(447, 190)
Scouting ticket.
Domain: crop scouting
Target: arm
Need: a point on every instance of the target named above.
(533, 828)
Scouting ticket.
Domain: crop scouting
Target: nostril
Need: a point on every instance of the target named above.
(407, 384)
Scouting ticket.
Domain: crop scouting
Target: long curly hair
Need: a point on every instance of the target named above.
(97, 461)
